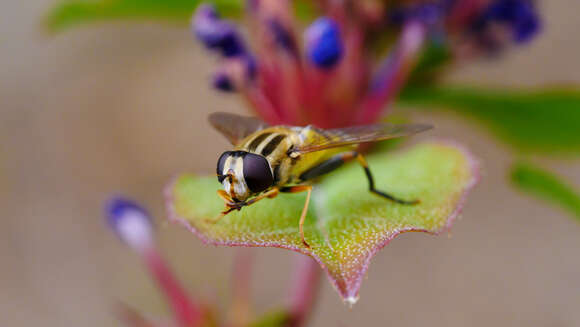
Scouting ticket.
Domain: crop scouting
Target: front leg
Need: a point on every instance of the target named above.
(232, 205)
(225, 196)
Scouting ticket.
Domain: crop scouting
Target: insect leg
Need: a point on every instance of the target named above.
(372, 188)
(270, 194)
(225, 196)
(231, 206)
(297, 189)
(338, 160)
(222, 214)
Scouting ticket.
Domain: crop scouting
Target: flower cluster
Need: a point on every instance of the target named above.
(355, 58)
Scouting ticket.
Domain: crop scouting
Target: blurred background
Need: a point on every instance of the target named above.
(121, 107)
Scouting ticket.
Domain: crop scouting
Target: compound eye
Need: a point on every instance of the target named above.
(220, 165)
(257, 173)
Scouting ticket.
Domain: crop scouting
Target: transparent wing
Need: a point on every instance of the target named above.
(235, 127)
(333, 138)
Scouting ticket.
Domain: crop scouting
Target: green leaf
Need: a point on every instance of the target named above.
(346, 224)
(543, 121)
(547, 186)
(433, 60)
(75, 12)
(305, 9)
(278, 318)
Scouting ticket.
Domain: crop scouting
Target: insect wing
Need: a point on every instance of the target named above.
(235, 127)
(333, 138)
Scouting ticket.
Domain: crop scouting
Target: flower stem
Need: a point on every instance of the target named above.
(188, 313)
(393, 74)
(304, 290)
(260, 102)
(130, 317)
(240, 309)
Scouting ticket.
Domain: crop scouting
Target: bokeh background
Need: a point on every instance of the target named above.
(121, 107)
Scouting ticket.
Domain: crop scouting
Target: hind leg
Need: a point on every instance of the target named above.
(340, 159)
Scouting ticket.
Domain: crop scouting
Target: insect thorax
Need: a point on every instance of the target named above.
(272, 143)
(276, 143)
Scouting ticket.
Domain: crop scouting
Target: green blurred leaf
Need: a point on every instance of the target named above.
(278, 318)
(432, 61)
(546, 186)
(71, 13)
(346, 224)
(544, 121)
(305, 9)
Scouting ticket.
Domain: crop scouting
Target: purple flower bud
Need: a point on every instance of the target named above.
(217, 34)
(283, 37)
(520, 15)
(430, 13)
(235, 73)
(324, 44)
(251, 67)
(222, 82)
(130, 222)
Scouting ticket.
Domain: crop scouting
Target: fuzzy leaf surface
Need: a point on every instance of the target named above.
(346, 224)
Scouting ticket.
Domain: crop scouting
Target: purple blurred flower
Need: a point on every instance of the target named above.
(130, 222)
(217, 34)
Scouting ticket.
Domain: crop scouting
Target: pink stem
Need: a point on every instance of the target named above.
(304, 290)
(292, 91)
(264, 95)
(188, 313)
(240, 310)
(131, 317)
(327, 92)
(394, 73)
(282, 72)
(351, 78)
(265, 109)
(463, 12)
(315, 96)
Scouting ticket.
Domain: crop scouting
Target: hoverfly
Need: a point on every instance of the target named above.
(268, 160)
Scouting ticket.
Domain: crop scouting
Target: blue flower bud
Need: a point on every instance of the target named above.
(130, 222)
(324, 44)
(519, 14)
(217, 34)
